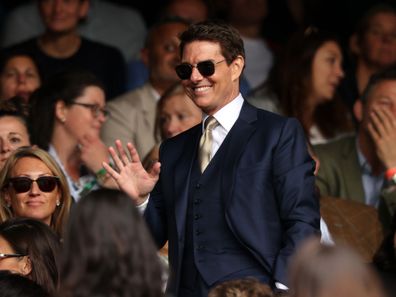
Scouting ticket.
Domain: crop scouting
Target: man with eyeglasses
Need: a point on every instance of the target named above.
(233, 197)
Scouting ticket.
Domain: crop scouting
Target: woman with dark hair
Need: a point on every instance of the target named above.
(108, 250)
(66, 116)
(30, 248)
(19, 75)
(303, 84)
(13, 127)
(33, 185)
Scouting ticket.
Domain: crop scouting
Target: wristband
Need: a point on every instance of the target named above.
(101, 175)
(389, 173)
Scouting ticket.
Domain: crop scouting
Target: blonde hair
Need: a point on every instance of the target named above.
(61, 212)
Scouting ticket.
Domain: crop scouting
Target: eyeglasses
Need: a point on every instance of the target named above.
(206, 68)
(95, 109)
(22, 184)
(5, 256)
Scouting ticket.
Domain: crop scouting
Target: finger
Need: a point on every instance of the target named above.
(155, 170)
(110, 170)
(389, 118)
(116, 159)
(133, 153)
(121, 152)
(377, 123)
(373, 132)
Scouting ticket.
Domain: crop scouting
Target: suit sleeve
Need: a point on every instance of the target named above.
(294, 186)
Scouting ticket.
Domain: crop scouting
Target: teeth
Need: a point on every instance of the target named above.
(199, 89)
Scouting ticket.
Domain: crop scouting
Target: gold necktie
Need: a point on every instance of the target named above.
(205, 144)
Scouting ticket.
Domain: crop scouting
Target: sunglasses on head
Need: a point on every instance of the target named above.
(206, 68)
(22, 184)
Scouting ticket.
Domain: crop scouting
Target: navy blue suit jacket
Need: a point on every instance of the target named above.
(267, 184)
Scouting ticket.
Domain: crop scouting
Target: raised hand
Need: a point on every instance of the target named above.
(130, 175)
(93, 152)
(382, 128)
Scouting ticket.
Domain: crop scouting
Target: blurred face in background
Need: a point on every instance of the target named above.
(13, 134)
(178, 114)
(161, 55)
(62, 16)
(326, 72)
(86, 115)
(20, 77)
(379, 44)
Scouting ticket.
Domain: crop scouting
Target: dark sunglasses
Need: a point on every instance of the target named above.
(22, 184)
(206, 68)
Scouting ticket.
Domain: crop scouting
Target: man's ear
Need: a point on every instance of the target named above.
(358, 110)
(144, 55)
(237, 67)
(25, 266)
(354, 45)
(84, 8)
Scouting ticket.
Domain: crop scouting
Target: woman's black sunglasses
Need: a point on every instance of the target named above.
(22, 184)
(206, 68)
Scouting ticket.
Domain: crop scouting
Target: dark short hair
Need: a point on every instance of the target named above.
(14, 107)
(228, 37)
(363, 24)
(384, 75)
(37, 240)
(15, 285)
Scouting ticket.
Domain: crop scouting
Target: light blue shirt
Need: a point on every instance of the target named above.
(372, 184)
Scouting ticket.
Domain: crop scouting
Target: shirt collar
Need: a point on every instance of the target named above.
(228, 114)
(366, 168)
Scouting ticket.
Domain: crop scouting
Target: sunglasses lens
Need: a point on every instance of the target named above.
(206, 68)
(183, 71)
(21, 184)
(47, 183)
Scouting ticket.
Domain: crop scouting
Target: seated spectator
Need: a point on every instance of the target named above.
(66, 116)
(248, 287)
(384, 260)
(363, 167)
(15, 285)
(13, 127)
(19, 76)
(248, 18)
(30, 248)
(107, 22)
(108, 250)
(32, 185)
(318, 270)
(61, 46)
(132, 115)
(192, 10)
(373, 47)
(176, 113)
(303, 85)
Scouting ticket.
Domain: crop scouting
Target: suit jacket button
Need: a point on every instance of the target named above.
(197, 186)
(197, 201)
(197, 216)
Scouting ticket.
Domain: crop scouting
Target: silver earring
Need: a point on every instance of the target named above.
(57, 203)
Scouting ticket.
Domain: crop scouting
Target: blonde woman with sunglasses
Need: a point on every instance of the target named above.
(33, 185)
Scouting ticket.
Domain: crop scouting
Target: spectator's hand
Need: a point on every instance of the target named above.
(131, 177)
(382, 128)
(93, 152)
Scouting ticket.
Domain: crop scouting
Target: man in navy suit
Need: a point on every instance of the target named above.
(245, 213)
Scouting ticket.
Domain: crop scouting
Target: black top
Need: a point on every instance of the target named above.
(105, 61)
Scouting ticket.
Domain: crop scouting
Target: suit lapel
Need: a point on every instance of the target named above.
(354, 186)
(234, 145)
(182, 177)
